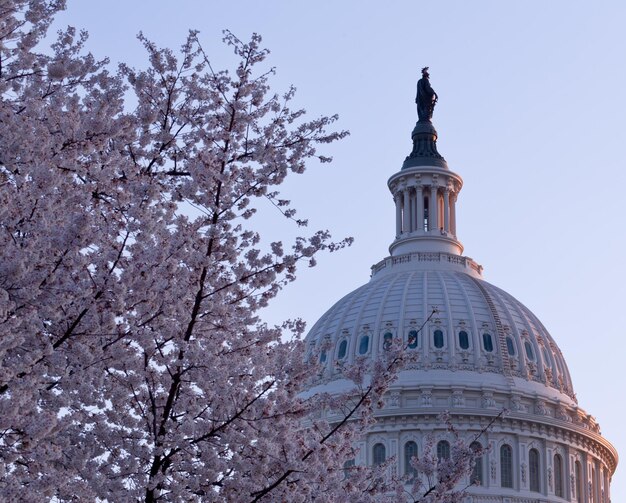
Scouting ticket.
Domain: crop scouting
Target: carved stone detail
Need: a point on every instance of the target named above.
(457, 398)
(427, 398)
(394, 399)
(550, 478)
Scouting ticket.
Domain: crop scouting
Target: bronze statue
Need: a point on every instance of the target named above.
(426, 97)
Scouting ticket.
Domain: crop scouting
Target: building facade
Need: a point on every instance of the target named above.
(478, 351)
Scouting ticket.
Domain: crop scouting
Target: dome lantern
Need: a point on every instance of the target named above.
(425, 191)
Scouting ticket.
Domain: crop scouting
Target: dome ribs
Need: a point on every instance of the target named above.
(448, 313)
(403, 316)
(543, 342)
(504, 355)
(471, 315)
(339, 327)
(426, 332)
(377, 327)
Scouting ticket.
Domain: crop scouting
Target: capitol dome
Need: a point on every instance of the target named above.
(478, 351)
(481, 333)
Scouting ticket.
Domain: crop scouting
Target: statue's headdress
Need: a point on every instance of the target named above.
(425, 71)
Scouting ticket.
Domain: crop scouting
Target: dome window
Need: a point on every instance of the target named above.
(579, 482)
(412, 344)
(343, 349)
(438, 339)
(463, 340)
(348, 466)
(410, 452)
(529, 351)
(364, 344)
(476, 477)
(533, 470)
(558, 475)
(443, 450)
(506, 466)
(488, 342)
(387, 341)
(379, 454)
(510, 346)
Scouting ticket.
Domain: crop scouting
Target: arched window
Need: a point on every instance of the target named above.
(579, 482)
(463, 340)
(379, 454)
(343, 349)
(510, 346)
(529, 351)
(410, 452)
(476, 477)
(506, 466)
(533, 470)
(364, 344)
(558, 475)
(387, 340)
(426, 214)
(412, 339)
(438, 339)
(488, 342)
(443, 450)
(347, 468)
(323, 356)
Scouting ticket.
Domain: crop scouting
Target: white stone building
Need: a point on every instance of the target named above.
(483, 351)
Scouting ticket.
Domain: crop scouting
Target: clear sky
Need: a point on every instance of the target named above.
(531, 115)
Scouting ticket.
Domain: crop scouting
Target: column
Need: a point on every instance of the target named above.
(419, 199)
(453, 214)
(411, 212)
(586, 478)
(446, 210)
(433, 224)
(406, 220)
(397, 199)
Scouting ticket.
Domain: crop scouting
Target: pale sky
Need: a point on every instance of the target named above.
(531, 114)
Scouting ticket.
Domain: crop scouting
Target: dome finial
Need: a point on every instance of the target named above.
(426, 97)
(424, 135)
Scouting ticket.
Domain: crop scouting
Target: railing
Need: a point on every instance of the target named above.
(426, 257)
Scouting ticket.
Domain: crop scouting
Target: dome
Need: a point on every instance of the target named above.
(476, 353)
(473, 332)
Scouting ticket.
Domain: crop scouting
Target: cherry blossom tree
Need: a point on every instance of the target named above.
(134, 363)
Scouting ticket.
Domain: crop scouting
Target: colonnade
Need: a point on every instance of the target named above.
(425, 208)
